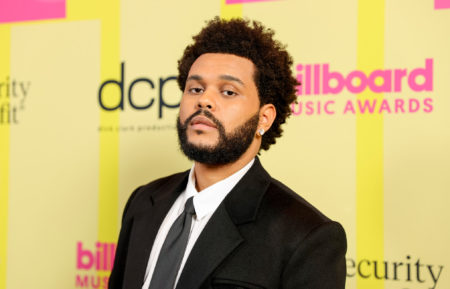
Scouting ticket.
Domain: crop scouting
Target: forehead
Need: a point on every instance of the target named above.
(215, 65)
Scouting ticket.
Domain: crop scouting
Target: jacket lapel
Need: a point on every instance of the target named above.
(145, 227)
(218, 239)
(221, 235)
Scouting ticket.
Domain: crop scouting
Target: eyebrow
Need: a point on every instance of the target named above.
(194, 77)
(232, 78)
(223, 77)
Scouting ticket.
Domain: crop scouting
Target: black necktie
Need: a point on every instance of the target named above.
(172, 251)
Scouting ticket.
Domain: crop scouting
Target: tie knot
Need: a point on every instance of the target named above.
(189, 206)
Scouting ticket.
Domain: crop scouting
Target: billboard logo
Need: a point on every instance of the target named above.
(319, 79)
(101, 259)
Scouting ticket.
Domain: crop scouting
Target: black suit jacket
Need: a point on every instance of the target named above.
(262, 235)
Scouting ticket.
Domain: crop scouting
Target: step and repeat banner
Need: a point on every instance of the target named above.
(88, 102)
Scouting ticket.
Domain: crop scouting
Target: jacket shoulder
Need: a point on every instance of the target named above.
(292, 209)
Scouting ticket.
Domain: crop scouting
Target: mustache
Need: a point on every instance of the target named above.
(205, 113)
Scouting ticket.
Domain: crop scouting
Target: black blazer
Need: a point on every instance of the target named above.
(263, 235)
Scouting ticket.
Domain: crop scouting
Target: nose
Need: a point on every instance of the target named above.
(206, 100)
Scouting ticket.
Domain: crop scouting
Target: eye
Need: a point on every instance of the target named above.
(195, 90)
(229, 92)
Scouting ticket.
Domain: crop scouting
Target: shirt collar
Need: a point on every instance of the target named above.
(207, 201)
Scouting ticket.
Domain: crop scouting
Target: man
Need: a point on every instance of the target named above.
(226, 223)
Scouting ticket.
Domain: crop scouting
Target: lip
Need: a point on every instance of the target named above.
(202, 122)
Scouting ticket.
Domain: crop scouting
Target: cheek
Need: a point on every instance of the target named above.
(185, 109)
(237, 114)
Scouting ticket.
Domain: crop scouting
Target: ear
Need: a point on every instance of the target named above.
(267, 114)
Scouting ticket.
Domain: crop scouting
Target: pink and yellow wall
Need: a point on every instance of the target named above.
(88, 102)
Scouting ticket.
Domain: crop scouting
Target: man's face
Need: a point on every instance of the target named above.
(219, 109)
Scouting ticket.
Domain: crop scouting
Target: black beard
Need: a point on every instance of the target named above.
(229, 147)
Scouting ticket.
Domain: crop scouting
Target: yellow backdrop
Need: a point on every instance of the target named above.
(88, 101)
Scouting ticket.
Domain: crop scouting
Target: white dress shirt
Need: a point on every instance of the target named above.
(205, 204)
